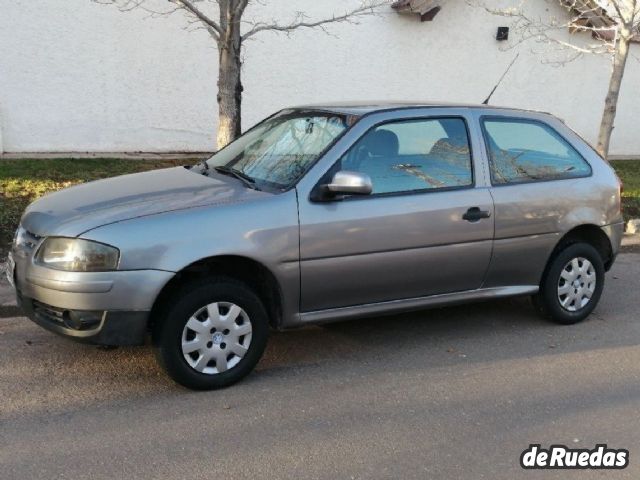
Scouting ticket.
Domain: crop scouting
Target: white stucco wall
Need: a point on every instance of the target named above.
(77, 76)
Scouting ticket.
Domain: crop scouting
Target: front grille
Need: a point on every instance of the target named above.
(31, 240)
(70, 319)
(48, 312)
(26, 240)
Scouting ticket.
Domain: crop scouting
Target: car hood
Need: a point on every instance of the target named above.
(75, 210)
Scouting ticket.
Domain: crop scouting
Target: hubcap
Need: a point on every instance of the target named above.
(216, 338)
(576, 284)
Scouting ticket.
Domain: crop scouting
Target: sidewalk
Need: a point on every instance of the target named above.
(630, 243)
(7, 295)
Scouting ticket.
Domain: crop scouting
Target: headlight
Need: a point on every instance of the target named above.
(77, 255)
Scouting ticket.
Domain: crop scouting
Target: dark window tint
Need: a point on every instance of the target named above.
(413, 155)
(527, 151)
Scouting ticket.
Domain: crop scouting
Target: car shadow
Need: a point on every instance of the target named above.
(469, 333)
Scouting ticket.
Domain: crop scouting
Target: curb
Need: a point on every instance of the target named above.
(630, 239)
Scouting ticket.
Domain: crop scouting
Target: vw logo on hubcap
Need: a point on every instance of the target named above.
(217, 338)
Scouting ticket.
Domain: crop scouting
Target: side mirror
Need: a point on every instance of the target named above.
(346, 182)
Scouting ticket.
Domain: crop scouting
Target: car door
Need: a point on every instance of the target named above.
(426, 229)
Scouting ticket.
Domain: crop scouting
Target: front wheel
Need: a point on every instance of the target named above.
(213, 334)
(571, 285)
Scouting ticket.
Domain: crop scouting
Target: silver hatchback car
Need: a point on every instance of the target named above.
(318, 214)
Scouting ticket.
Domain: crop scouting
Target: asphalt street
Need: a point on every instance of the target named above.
(453, 393)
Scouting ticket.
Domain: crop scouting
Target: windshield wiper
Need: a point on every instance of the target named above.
(205, 167)
(246, 179)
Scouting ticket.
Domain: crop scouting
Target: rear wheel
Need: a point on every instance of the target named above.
(571, 285)
(213, 334)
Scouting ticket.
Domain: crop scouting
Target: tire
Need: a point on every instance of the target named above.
(213, 335)
(566, 297)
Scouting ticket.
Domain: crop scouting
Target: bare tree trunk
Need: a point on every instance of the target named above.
(229, 80)
(227, 34)
(611, 101)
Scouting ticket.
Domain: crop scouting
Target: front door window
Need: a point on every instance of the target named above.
(413, 155)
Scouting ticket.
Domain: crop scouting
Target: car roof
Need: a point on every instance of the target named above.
(363, 108)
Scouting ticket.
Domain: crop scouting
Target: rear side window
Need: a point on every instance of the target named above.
(413, 155)
(527, 151)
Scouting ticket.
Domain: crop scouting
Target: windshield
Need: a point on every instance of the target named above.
(278, 151)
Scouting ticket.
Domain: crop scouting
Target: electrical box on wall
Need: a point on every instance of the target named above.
(503, 34)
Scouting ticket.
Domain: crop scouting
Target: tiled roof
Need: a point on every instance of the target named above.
(598, 16)
(427, 9)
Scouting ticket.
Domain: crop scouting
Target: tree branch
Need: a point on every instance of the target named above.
(620, 14)
(128, 5)
(543, 31)
(240, 8)
(180, 5)
(188, 5)
(368, 8)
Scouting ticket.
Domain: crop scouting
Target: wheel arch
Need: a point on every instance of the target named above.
(247, 270)
(587, 233)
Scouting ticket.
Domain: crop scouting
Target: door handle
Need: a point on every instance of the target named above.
(474, 214)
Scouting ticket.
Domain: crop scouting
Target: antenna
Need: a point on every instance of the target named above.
(486, 102)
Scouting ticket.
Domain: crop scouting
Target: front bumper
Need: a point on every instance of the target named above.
(105, 308)
(101, 328)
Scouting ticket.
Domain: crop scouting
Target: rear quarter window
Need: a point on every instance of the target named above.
(522, 151)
